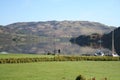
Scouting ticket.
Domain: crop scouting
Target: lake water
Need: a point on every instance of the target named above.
(63, 47)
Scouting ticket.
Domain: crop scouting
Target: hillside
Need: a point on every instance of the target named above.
(58, 28)
(48, 36)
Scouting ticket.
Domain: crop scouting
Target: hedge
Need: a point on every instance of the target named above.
(58, 58)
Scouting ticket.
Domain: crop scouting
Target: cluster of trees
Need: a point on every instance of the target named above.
(106, 39)
(84, 40)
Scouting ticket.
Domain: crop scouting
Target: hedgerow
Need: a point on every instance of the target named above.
(58, 58)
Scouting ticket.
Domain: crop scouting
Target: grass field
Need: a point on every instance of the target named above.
(67, 70)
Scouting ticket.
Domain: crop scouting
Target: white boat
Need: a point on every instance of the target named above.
(115, 55)
(99, 53)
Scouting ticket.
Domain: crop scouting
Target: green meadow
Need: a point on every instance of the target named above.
(67, 70)
(58, 70)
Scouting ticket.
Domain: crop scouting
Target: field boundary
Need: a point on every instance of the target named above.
(58, 58)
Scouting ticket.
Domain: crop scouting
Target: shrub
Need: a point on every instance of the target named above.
(59, 58)
(80, 77)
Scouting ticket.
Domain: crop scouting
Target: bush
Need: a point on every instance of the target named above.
(80, 77)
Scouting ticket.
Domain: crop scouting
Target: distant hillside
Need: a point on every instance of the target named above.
(48, 36)
(58, 28)
(4, 34)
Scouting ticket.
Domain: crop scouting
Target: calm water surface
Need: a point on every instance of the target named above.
(44, 47)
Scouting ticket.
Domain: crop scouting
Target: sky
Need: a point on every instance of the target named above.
(104, 11)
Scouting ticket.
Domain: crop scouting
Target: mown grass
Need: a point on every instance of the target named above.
(67, 70)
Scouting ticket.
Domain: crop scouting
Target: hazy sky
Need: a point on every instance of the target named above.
(103, 11)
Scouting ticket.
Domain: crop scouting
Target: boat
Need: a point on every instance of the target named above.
(99, 53)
